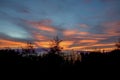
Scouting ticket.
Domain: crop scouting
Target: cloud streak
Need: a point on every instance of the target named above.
(11, 44)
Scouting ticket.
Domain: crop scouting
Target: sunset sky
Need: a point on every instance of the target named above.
(81, 24)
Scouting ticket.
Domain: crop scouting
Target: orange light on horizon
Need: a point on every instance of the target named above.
(43, 44)
(12, 44)
(66, 44)
(106, 44)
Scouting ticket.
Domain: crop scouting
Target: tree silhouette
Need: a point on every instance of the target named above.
(55, 46)
(29, 48)
(118, 44)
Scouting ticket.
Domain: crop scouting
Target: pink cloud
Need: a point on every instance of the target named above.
(69, 32)
(43, 25)
(112, 28)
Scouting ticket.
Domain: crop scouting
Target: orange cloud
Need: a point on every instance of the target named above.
(44, 44)
(69, 32)
(74, 32)
(43, 25)
(94, 47)
(38, 36)
(88, 41)
(46, 28)
(11, 44)
(103, 45)
(66, 44)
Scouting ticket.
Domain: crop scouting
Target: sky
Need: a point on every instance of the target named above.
(81, 24)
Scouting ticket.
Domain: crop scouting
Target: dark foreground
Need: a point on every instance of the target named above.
(54, 63)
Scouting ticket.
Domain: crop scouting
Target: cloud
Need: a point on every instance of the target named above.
(69, 32)
(47, 44)
(44, 44)
(106, 30)
(84, 26)
(103, 45)
(43, 25)
(12, 44)
(112, 28)
(74, 32)
(39, 37)
(46, 28)
(66, 44)
(88, 41)
(105, 39)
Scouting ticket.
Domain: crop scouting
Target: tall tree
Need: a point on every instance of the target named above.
(55, 46)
